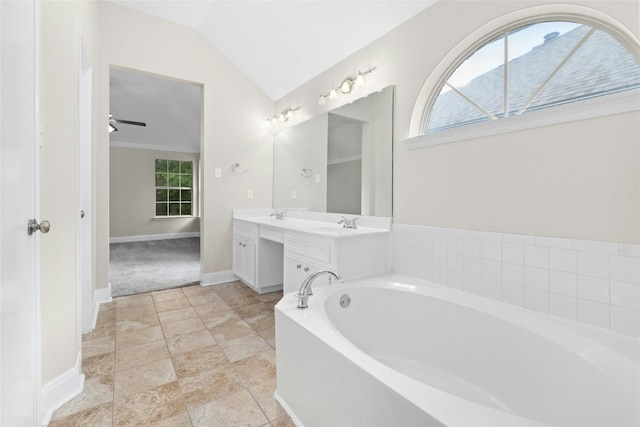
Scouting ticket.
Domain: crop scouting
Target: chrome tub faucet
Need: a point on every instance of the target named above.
(305, 288)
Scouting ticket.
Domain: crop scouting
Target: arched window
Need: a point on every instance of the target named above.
(531, 67)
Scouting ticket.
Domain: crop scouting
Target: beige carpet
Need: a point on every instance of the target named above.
(137, 267)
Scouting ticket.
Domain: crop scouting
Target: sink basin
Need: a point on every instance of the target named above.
(335, 229)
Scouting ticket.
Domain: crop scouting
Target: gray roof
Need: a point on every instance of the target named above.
(601, 66)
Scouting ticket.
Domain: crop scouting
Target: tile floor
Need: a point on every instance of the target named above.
(194, 356)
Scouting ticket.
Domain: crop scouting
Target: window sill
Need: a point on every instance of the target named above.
(582, 110)
(176, 217)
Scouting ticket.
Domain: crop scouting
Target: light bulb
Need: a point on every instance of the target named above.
(333, 94)
(274, 120)
(321, 101)
(289, 113)
(346, 86)
(281, 117)
(359, 79)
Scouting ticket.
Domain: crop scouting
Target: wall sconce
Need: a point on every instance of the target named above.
(283, 117)
(346, 86)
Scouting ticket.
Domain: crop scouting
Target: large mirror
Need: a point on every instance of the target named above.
(340, 161)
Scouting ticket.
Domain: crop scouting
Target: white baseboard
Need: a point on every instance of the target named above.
(100, 296)
(208, 279)
(61, 390)
(148, 237)
(288, 410)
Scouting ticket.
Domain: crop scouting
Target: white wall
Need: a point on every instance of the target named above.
(234, 113)
(132, 194)
(576, 180)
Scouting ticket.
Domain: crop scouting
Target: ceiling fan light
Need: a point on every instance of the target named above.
(359, 80)
(333, 94)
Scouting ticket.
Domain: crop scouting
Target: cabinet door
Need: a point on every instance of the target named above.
(296, 271)
(237, 256)
(249, 262)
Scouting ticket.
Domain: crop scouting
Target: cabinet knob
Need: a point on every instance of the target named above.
(239, 243)
(306, 269)
(298, 266)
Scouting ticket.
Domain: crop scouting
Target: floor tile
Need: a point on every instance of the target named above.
(269, 336)
(283, 422)
(247, 346)
(175, 315)
(263, 394)
(132, 300)
(131, 338)
(262, 321)
(238, 409)
(185, 343)
(184, 326)
(211, 320)
(140, 355)
(180, 420)
(97, 391)
(253, 310)
(137, 323)
(103, 364)
(231, 329)
(167, 295)
(205, 298)
(209, 386)
(195, 290)
(256, 369)
(98, 346)
(150, 375)
(98, 416)
(149, 406)
(197, 361)
(134, 312)
(173, 304)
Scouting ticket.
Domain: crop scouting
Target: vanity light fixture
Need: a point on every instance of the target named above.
(346, 86)
(283, 117)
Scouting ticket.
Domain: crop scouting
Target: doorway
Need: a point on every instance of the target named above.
(154, 222)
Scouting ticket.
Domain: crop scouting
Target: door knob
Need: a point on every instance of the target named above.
(33, 226)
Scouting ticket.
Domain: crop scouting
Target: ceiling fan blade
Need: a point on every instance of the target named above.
(129, 122)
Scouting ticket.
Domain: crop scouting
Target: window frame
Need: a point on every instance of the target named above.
(580, 110)
(192, 189)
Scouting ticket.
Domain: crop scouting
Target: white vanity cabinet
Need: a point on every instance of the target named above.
(271, 254)
(244, 251)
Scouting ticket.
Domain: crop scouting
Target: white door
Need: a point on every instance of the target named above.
(19, 279)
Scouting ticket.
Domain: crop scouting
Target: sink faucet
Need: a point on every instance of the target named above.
(348, 223)
(305, 289)
(278, 214)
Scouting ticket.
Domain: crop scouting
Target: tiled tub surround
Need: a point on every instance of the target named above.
(597, 283)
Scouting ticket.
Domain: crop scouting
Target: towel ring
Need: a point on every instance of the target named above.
(306, 173)
(234, 169)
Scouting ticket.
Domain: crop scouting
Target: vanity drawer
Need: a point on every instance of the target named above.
(315, 250)
(245, 229)
(272, 234)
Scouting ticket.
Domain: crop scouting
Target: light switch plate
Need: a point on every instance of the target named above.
(249, 194)
(218, 172)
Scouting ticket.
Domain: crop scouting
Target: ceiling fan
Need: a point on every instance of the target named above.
(113, 121)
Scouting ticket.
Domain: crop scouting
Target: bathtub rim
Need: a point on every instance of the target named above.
(439, 404)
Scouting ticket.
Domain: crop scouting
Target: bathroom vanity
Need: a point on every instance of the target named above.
(271, 254)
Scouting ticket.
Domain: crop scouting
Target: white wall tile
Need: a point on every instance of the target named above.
(512, 273)
(598, 247)
(625, 269)
(537, 278)
(513, 294)
(455, 263)
(629, 250)
(413, 239)
(625, 321)
(512, 253)
(563, 306)
(593, 313)
(489, 236)
(492, 250)
(473, 266)
(426, 273)
(426, 240)
(439, 243)
(593, 289)
(593, 264)
(440, 276)
(491, 289)
(440, 260)
(563, 260)
(455, 245)
(563, 283)
(473, 248)
(625, 295)
(455, 280)
(537, 300)
(535, 256)
(491, 269)
(472, 284)
(520, 239)
(554, 242)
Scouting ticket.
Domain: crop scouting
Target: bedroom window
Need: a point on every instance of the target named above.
(529, 68)
(174, 187)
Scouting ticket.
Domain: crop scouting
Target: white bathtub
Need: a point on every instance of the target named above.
(410, 353)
